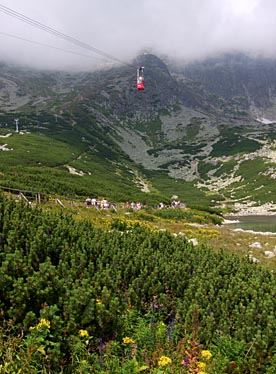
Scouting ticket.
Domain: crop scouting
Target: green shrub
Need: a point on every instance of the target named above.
(71, 293)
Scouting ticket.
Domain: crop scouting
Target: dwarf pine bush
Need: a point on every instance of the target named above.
(77, 299)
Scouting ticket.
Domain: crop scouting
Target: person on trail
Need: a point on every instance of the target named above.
(88, 202)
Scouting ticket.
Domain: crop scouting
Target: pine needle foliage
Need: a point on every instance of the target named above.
(78, 299)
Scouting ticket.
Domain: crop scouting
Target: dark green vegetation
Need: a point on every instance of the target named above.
(74, 298)
(234, 142)
(186, 191)
(190, 215)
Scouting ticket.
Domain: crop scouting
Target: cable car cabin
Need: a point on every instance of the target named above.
(140, 79)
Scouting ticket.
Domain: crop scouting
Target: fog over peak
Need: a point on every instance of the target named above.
(180, 29)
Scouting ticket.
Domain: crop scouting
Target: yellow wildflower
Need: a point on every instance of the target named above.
(43, 322)
(164, 360)
(128, 340)
(83, 361)
(201, 365)
(83, 333)
(99, 301)
(206, 354)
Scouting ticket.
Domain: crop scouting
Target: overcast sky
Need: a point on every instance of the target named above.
(183, 29)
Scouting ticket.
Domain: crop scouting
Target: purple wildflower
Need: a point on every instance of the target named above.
(155, 306)
(101, 344)
(170, 328)
(185, 362)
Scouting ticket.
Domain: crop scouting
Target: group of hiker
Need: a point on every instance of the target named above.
(99, 204)
(105, 204)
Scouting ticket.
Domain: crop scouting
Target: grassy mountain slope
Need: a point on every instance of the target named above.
(65, 157)
(196, 131)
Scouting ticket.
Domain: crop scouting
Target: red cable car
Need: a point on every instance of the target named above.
(140, 79)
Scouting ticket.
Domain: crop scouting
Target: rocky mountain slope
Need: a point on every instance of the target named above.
(208, 125)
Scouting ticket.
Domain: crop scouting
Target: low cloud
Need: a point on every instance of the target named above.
(181, 29)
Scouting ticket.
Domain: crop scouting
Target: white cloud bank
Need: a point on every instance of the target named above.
(184, 29)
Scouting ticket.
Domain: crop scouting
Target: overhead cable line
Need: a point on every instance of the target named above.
(59, 34)
(49, 46)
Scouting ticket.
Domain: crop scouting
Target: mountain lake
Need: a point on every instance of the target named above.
(252, 222)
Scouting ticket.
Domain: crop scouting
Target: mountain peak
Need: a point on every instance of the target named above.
(150, 61)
